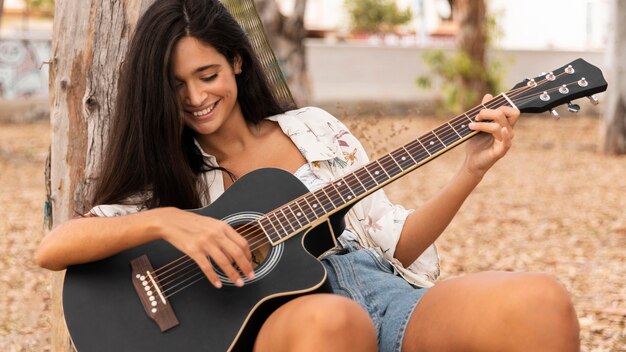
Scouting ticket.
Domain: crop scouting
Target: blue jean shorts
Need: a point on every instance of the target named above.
(363, 276)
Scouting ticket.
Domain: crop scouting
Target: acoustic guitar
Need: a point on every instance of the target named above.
(154, 298)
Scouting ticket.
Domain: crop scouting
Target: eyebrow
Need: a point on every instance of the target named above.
(202, 68)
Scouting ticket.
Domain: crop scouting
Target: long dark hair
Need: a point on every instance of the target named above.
(150, 150)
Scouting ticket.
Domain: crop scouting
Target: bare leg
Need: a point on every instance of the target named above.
(319, 322)
(494, 311)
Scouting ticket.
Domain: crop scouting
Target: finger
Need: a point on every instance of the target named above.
(243, 260)
(512, 114)
(241, 241)
(501, 148)
(486, 98)
(492, 115)
(207, 268)
(488, 127)
(220, 259)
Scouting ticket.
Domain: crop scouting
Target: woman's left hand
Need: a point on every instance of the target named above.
(486, 148)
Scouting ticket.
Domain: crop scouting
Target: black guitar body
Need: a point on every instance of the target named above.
(103, 311)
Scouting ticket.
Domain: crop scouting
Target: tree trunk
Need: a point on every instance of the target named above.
(1, 11)
(90, 40)
(286, 36)
(613, 130)
(472, 41)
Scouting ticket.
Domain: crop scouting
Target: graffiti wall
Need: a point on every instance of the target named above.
(22, 72)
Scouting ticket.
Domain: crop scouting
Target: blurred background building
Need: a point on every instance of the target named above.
(344, 65)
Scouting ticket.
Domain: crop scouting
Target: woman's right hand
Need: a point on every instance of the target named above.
(204, 239)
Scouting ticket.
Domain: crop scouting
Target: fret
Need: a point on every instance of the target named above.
(376, 170)
(327, 204)
(409, 154)
(366, 179)
(446, 135)
(436, 136)
(470, 120)
(431, 143)
(455, 130)
(356, 186)
(306, 215)
(344, 185)
(382, 168)
(334, 188)
(423, 146)
(278, 233)
(461, 126)
(314, 205)
(280, 223)
(390, 167)
(292, 224)
(272, 236)
(403, 158)
(329, 197)
(417, 150)
(295, 215)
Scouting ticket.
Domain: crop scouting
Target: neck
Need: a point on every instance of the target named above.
(233, 137)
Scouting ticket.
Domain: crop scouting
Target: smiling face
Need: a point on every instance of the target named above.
(205, 84)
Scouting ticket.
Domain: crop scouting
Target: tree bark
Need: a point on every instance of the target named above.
(613, 130)
(472, 41)
(286, 36)
(1, 11)
(89, 41)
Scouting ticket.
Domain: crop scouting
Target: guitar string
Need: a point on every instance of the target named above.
(391, 160)
(198, 274)
(338, 199)
(334, 198)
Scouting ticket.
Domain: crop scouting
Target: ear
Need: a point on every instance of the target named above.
(237, 64)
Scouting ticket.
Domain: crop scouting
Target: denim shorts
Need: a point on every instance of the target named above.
(363, 276)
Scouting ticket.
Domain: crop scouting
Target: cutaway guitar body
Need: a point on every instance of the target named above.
(104, 313)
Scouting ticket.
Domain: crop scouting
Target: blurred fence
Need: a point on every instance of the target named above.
(22, 72)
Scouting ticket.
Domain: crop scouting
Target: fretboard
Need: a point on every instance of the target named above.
(313, 207)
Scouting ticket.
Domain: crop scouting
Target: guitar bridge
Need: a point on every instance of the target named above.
(152, 299)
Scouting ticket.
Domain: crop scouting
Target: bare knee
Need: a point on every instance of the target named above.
(318, 323)
(543, 305)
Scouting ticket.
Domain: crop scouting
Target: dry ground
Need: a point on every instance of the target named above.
(553, 205)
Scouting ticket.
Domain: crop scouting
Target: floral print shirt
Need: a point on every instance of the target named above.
(333, 152)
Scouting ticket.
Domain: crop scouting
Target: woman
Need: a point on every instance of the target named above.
(194, 113)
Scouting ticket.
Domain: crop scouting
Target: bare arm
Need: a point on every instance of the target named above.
(423, 226)
(92, 238)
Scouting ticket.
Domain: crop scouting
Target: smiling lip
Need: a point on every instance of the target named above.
(204, 112)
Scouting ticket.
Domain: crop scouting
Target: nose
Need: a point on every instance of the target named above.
(194, 96)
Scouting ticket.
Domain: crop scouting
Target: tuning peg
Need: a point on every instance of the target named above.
(573, 107)
(594, 100)
(554, 113)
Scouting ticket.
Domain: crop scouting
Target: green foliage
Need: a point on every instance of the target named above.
(376, 16)
(456, 68)
(45, 7)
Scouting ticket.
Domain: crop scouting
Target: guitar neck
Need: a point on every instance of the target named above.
(313, 207)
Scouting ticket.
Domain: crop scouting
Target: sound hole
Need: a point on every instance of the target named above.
(264, 256)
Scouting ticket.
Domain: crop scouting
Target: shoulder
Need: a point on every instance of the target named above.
(309, 116)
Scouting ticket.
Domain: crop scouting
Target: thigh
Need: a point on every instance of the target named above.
(317, 322)
(494, 311)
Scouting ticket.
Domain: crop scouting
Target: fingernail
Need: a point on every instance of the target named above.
(471, 125)
(239, 282)
(218, 284)
(251, 275)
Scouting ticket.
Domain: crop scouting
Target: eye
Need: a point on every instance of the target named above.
(208, 78)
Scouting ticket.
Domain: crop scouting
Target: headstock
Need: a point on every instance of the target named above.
(572, 81)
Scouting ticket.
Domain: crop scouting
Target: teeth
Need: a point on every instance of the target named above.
(205, 111)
